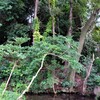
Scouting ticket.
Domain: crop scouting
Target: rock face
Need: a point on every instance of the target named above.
(97, 92)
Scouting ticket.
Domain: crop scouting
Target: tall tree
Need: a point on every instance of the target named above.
(36, 8)
(52, 4)
(70, 17)
(35, 21)
(70, 70)
(86, 28)
(84, 31)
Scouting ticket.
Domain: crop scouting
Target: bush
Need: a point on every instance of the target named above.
(29, 60)
(9, 95)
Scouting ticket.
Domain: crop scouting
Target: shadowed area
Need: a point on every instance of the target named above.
(58, 97)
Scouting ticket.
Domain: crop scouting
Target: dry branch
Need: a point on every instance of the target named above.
(9, 78)
(32, 79)
(88, 74)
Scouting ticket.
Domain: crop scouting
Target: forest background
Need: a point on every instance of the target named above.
(49, 46)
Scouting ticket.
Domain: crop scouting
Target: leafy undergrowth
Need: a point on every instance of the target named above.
(9, 95)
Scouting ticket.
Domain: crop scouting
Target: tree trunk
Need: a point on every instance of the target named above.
(53, 26)
(71, 72)
(88, 72)
(86, 28)
(70, 18)
(53, 18)
(35, 16)
(84, 31)
(36, 8)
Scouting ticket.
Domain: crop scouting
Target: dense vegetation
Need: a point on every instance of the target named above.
(49, 46)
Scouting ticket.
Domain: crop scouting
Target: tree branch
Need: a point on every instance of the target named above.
(85, 29)
(33, 78)
(90, 21)
(88, 74)
(9, 78)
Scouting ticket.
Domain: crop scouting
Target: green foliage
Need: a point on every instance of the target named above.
(12, 51)
(48, 83)
(14, 31)
(97, 64)
(65, 83)
(9, 95)
(37, 36)
(12, 15)
(36, 24)
(17, 30)
(96, 34)
(48, 28)
(80, 4)
(11, 8)
(95, 4)
(97, 79)
(29, 59)
(18, 87)
(89, 46)
(19, 41)
(94, 79)
(54, 10)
